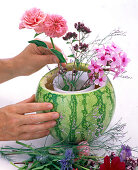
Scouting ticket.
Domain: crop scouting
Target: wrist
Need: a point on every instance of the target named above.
(7, 69)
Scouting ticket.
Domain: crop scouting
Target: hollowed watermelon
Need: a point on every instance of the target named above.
(83, 116)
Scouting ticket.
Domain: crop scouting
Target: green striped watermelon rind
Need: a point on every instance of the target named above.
(83, 116)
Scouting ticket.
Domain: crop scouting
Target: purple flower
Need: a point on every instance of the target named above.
(70, 35)
(76, 47)
(69, 154)
(67, 162)
(82, 28)
(125, 153)
(83, 47)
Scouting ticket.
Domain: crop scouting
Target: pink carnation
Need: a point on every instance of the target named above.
(55, 26)
(32, 18)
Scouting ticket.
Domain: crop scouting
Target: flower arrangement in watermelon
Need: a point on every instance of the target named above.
(80, 90)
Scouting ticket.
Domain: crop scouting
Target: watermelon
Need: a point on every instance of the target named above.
(83, 116)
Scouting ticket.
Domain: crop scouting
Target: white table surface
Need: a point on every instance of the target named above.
(101, 16)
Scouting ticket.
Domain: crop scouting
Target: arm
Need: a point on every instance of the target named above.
(7, 70)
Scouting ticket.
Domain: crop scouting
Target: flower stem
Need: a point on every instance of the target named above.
(52, 42)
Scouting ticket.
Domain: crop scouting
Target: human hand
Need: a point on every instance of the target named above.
(33, 58)
(15, 125)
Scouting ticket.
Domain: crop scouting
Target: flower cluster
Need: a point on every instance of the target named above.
(108, 59)
(51, 25)
(104, 59)
(70, 35)
(82, 28)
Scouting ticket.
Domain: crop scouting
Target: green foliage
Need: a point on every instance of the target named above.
(72, 55)
(39, 43)
(59, 55)
(66, 87)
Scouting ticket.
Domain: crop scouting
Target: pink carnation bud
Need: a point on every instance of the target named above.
(83, 148)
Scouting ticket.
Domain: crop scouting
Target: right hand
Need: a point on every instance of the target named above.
(33, 58)
(15, 125)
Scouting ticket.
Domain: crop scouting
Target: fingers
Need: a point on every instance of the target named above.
(29, 100)
(37, 127)
(29, 136)
(23, 108)
(41, 117)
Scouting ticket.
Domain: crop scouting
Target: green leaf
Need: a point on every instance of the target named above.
(59, 55)
(74, 41)
(72, 55)
(89, 71)
(39, 43)
(66, 87)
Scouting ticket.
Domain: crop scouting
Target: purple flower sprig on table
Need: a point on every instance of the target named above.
(125, 153)
(68, 160)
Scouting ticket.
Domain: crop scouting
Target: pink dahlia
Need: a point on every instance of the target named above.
(55, 26)
(32, 18)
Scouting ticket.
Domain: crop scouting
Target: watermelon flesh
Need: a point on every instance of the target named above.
(83, 116)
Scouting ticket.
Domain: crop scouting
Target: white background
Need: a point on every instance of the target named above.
(102, 16)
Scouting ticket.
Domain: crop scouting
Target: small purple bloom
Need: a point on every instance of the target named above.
(69, 154)
(70, 35)
(76, 47)
(82, 28)
(125, 153)
(67, 162)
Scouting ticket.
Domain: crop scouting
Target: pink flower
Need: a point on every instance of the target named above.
(32, 18)
(116, 48)
(117, 70)
(124, 59)
(55, 26)
(100, 81)
(83, 148)
(94, 67)
(103, 59)
(115, 61)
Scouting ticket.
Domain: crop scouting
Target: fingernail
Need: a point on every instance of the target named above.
(49, 105)
(55, 115)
